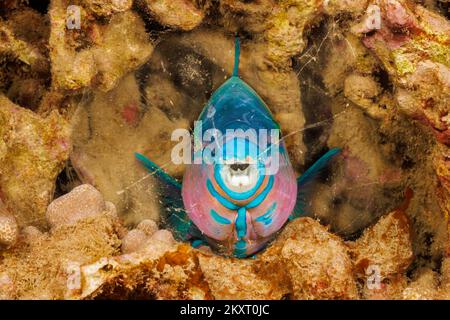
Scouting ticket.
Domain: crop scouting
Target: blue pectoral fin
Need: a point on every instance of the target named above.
(305, 182)
(175, 216)
(157, 171)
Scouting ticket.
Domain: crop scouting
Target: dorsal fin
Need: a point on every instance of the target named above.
(237, 52)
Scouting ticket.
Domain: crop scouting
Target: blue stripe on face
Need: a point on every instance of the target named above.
(230, 205)
(226, 203)
(218, 218)
(240, 249)
(241, 223)
(260, 198)
(266, 218)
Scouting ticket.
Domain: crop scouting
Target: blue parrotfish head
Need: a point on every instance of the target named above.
(241, 188)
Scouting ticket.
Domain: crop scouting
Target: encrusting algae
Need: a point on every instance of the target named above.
(80, 219)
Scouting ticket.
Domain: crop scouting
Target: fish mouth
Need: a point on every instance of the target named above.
(240, 176)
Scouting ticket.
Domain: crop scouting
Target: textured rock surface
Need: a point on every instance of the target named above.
(133, 241)
(23, 50)
(180, 14)
(418, 52)
(199, 274)
(363, 174)
(314, 262)
(385, 289)
(148, 226)
(423, 287)
(44, 265)
(386, 245)
(82, 259)
(9, 230)
(114, 49)
(371, 77)
(445, 278)
(33, 151)
(7, 290)
(236, 279)
(107, 7)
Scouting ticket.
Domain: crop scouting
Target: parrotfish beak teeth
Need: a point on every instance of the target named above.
(240, 176)
(239, 181)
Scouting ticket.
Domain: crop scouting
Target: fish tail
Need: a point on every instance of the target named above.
(237, 52)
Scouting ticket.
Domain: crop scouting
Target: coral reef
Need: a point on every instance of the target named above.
(40, 265)
(423, 287)
(305, 262)
(33, 151)
(97, 53)
(282, 23)
(9, 230)
(106, 8)
(21, 49)
(245, 283)
(23, 56)
(412, 45)
(401, 151)
(76, 101)
(315, 263)
(83, 201)
(94, 256)
(181, 14)
(372, 248)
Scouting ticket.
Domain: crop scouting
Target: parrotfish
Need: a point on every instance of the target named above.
(242, 192)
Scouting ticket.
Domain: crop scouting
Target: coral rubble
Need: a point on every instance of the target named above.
(34, 150)
(93, 256)
(84, 84)
(371, 249)
(9, 230)
(181, 14)
(110, 50)
(42, 265)
(305, 262)
(315, 263)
